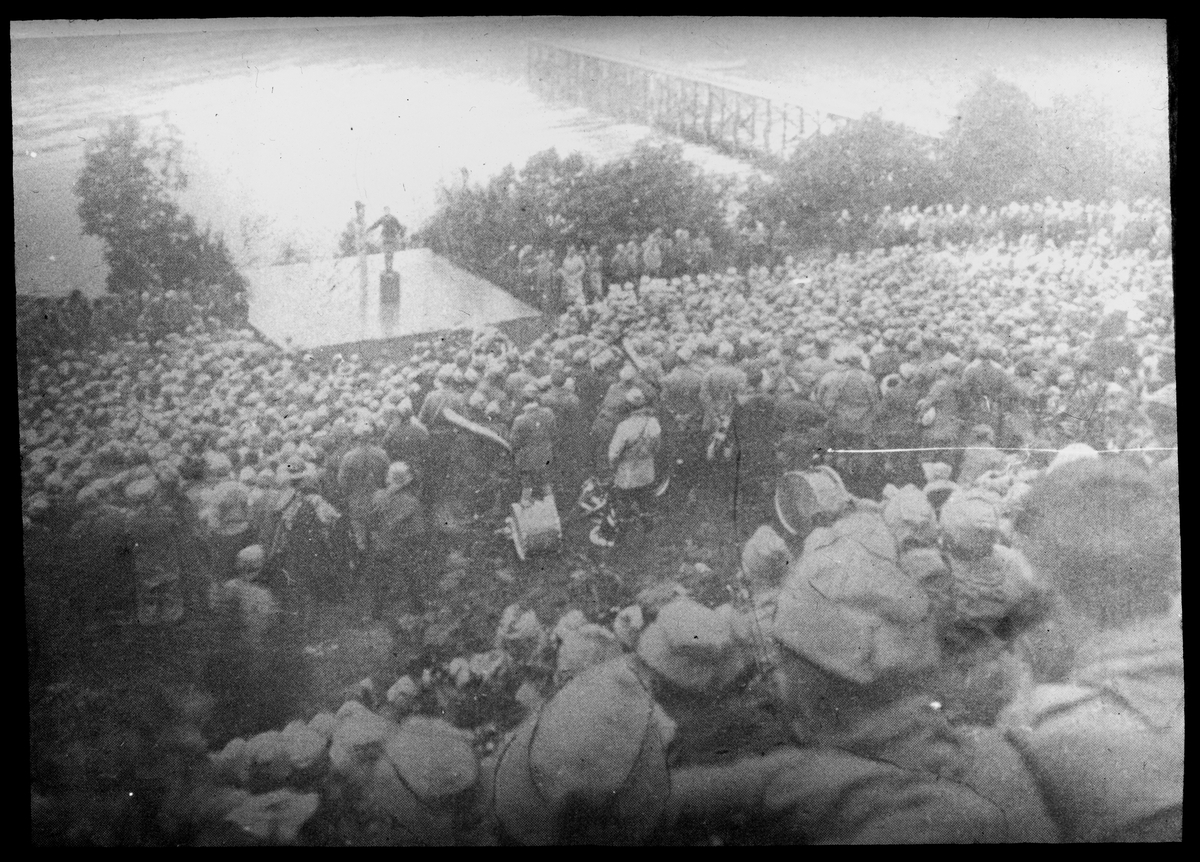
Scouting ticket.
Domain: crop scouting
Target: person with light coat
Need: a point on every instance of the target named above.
(631, 453)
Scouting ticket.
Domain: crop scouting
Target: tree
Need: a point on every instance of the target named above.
(348, 242)
(1075, 159)
(860, 169)
(994, 144)
(554, 202)
(126, 194)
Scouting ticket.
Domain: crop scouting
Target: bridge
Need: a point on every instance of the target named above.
(741, 118)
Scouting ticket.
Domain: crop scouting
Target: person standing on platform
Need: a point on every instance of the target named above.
(392, 233)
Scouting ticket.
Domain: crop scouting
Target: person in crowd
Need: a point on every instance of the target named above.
(849, 395)
(610, 412)
(532, 438)
(758, 241)
(361, 472)
(619, 265)
(302, 553)
(398, 550)
(682, 421)
(595, 275)
(896, 426)
(153, 536)
(751, 434)
(549, 288)
(781, 241)
(442, 433)
(228, 527)
(652, 254)
(941, 408)
(573, 269)
(252, 602)
(631, 453)
(570, 430)
(407, 440)
(1106, 744)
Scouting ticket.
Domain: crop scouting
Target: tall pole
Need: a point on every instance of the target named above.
(360, 222)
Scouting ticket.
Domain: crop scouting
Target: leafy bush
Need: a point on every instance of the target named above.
(126, 194)
(832, 187)
(348, 242)
(554, 202)
(993, 145)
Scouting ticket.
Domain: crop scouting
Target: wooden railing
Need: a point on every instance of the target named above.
(741, 118)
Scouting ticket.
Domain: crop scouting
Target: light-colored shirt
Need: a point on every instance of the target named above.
(632, 450)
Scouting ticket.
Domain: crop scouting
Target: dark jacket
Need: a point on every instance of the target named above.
(396, 518)
(533, 439)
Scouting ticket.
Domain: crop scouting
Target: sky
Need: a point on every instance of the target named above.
(288, 121)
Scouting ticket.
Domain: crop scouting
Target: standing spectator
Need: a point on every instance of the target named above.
(442, 436)
(252, 602)
(392, 233)
(302, 554)
(525, 271)
(652, 255)
(781, 240)
(849, 396)
(631, 453)
(1107, 744)
(595, 275)
(619, 265)
(407, 440)
(533, 445)
(570, 438)
(361, 472)
(759, 242)
(669, 268)
(572, 271)
(685, 252)
(229, 528)
(397, 532)
(544, 282)
(751, 432)
(153, 536)
(705, 256)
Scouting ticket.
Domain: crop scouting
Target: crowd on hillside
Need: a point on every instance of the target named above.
(46, 325)
(932, 387)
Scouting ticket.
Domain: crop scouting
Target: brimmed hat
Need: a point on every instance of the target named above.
(599, 742)
(970, 519)
(690, 646)
(910, 516)
(847, 607)
(293, 470)
(141, 490)
(399, 474)
(1073, 452)
(250, 560)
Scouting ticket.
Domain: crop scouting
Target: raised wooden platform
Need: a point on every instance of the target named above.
(322, 305)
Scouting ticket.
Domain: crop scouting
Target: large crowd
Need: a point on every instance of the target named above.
(941, 401)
